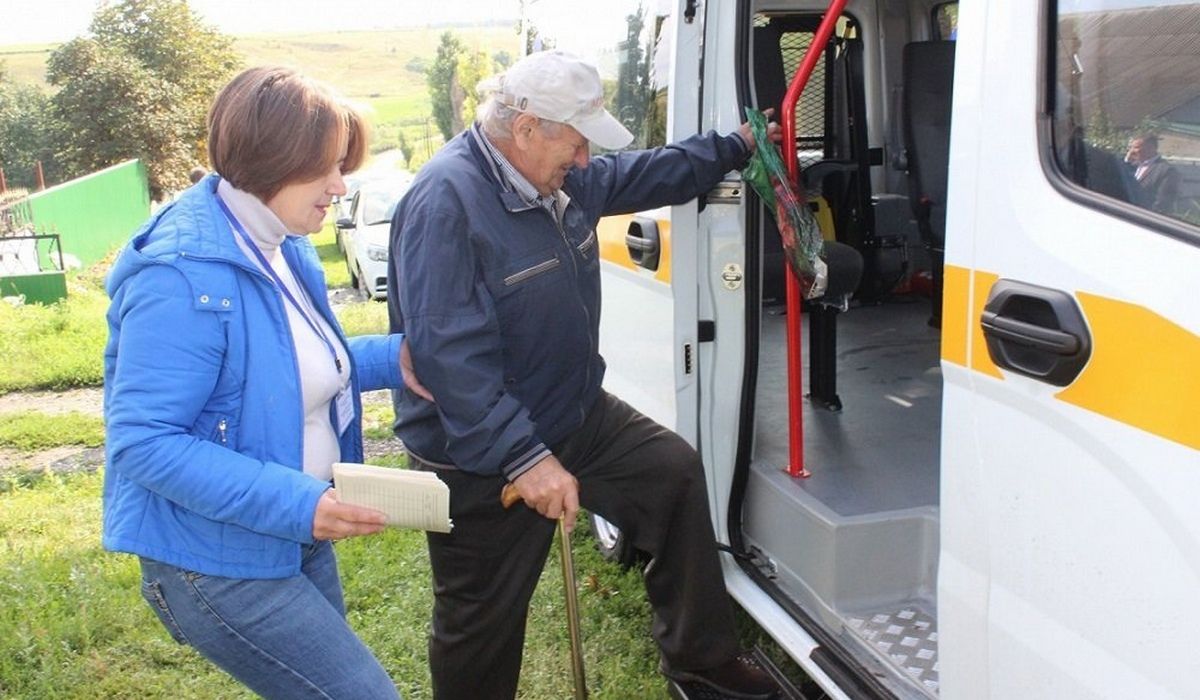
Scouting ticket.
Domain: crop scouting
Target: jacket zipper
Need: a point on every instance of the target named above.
(221, 426)
(592, 344)
(528, 272)
(278, 296)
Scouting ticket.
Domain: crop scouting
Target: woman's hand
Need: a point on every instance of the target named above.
(337, 521)
(410, 375)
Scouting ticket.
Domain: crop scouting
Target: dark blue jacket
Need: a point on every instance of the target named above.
(202, 403)
(501, 306)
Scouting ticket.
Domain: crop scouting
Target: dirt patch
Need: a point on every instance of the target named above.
(69, 459)
(87, 401)
(73, 458)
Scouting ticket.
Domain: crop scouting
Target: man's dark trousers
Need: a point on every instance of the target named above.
(639, 476)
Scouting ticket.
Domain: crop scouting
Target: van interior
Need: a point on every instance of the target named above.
(857, 562)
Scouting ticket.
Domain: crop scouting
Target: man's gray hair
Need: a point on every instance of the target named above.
(496, 119)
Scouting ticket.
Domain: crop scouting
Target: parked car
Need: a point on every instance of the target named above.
(341, 204)
(363, 233)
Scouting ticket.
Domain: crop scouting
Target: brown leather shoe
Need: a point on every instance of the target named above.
(739, 678)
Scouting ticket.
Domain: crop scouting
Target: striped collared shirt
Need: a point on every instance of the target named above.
(512, 179)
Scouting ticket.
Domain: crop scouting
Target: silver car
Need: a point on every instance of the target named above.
(363, 233)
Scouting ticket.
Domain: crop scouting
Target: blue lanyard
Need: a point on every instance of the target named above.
(237, 225)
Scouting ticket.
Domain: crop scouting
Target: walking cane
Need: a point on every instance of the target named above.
(510, 496)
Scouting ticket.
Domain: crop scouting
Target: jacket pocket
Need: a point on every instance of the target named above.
(217, 427)
(588, 244)
(530, 272)
(152, 592)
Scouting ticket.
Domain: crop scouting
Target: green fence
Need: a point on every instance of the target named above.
(93, 214)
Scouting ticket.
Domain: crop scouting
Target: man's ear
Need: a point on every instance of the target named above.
(523, 128)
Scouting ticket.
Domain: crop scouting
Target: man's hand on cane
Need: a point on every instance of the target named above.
(551, 490)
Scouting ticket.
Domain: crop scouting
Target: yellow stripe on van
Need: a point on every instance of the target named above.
(611, 234)
(956, 291)
(981, 361)
(964, 294)
(1144, 370)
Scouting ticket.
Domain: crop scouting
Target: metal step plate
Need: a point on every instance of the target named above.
(907, 638)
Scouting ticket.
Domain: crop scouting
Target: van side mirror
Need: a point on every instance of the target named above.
(344, 222)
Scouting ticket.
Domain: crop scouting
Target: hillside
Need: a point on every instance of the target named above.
(370, 64)
(26, 63)
(382, 69)
(361, 64)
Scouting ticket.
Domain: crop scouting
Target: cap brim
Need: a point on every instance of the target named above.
(602, 129)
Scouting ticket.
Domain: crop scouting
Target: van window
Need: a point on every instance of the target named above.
(628, 41)
(1126, 103)
(945, 21)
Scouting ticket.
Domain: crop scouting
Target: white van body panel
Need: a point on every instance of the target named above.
(1071, 543)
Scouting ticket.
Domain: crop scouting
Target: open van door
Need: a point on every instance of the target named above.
(1070, 541)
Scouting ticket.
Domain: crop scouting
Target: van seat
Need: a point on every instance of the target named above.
(928, 89)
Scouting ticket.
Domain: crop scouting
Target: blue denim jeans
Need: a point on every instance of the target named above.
(283, 638)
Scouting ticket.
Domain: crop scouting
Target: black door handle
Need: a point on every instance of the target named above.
(1029, 334)
(1036, 331)
(640, 244)
(642, 241)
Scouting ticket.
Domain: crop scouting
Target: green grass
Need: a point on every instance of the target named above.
(31, 431)
(377, 421)
(61, 346)
(56, 346)
(406, 109)
(74, 626)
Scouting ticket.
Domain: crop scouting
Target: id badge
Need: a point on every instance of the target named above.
(345, 408)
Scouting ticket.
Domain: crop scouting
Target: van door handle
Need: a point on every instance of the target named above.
(637, 243)
(1035, 331)
(1029, 334)
(642, 241)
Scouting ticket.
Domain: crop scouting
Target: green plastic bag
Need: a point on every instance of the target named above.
(798, 228)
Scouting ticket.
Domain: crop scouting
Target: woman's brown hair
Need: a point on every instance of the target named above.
(271, 127)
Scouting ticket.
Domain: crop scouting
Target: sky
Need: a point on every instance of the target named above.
(42, 21)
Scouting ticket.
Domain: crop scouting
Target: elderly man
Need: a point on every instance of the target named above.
(497, 277)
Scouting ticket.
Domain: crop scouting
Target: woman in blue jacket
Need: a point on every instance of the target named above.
(230, 390)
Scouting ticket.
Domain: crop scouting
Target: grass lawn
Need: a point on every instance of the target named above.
(74, 626)
(61, 346)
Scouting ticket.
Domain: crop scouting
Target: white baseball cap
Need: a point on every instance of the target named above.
(560, 87)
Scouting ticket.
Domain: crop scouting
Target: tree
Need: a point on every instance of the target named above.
(472, 68)
(26, 134)
(440, 79)
(406, 149)
(110, 108)
(139, 87)
(633, 77)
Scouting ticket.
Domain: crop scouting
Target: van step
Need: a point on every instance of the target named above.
(907, 638)
(697, 691)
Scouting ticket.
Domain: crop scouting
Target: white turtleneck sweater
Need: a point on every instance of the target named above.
(319, 378)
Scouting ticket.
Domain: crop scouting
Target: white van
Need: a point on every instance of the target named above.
(999, 487)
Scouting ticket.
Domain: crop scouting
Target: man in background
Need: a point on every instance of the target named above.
(1157, 179)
